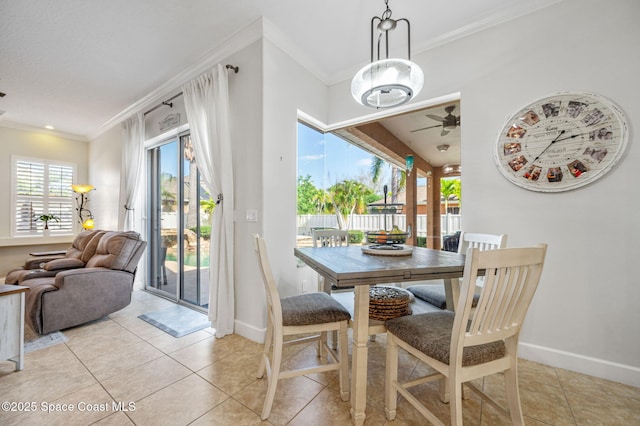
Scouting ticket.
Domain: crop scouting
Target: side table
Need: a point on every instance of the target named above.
(12, 324)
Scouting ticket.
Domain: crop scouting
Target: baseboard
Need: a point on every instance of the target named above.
(596, 367)
(250, 332)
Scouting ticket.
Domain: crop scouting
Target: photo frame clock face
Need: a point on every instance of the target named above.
(561, 142)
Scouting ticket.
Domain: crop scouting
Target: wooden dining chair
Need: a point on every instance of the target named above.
(328, 238)
(434, 294)
(310, 314)
(461, 347)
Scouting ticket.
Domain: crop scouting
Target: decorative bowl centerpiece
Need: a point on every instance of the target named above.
(387, 237)
(387, 243)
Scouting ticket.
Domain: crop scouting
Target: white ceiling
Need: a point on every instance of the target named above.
(76, 64)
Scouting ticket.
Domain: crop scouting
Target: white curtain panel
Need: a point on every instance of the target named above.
(207, 105)
(132, 155)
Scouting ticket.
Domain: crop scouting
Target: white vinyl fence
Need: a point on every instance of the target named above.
(449, 223)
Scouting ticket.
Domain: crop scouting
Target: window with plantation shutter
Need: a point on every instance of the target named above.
(42, 187)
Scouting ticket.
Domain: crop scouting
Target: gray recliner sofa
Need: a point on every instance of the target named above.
(76, 296)
(82, 248)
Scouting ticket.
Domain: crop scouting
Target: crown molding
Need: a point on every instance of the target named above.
(279, 39)
(215, 55)
(263, 28)
(489, 20)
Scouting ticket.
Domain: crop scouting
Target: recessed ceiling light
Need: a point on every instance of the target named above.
(49, 127)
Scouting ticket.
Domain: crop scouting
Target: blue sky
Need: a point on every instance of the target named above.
(329, 159)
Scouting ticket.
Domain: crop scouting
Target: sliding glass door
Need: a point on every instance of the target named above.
(179, 217)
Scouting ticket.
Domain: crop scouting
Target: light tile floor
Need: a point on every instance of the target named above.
(123, 371)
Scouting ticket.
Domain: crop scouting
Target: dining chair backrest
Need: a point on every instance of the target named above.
(274, 308)
(483, 340)
(511, 278)
(481, 241)
(299, 319)
(330, 237)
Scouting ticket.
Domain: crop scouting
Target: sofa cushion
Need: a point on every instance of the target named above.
(63, 264)
(84, 245)
(115, 250)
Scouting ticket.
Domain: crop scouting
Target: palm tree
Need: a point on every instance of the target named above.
(346, 196)
(321, 199)
(448, 188)
(398, 176)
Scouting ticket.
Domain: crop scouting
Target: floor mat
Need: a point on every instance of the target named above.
(178, 321)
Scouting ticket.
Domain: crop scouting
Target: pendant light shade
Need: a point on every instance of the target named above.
(387, 82)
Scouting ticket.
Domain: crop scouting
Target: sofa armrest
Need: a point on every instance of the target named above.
(35, 273)
(64, 264)
(39, 262)
(84, 276)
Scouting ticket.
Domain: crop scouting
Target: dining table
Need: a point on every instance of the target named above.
(360, 267)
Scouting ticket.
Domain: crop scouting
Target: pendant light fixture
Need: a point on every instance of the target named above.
(387, 82)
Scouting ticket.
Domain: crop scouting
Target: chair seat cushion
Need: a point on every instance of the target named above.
(312, 308)
(434, 294)
(430, 333)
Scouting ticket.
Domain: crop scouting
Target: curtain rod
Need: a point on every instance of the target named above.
(168, 101)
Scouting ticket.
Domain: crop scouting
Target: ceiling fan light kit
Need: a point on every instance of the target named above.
(451, 170)
(387, 82)
(448, 122)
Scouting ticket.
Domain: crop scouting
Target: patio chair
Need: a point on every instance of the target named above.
(461, 347)
(309, 313)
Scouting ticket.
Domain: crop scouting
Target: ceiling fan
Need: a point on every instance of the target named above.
(448, 123)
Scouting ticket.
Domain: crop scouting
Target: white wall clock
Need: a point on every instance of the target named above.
(561, 142)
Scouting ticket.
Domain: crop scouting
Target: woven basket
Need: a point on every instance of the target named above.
(386, 303)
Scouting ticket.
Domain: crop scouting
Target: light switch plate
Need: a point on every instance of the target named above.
(252, 215)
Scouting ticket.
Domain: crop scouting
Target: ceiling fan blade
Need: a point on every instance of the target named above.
(435, 117)
(425, 128)
(444, 133)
